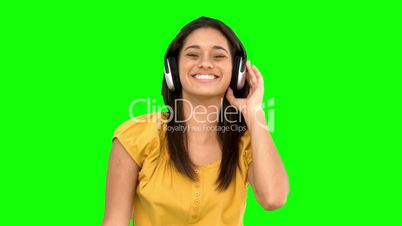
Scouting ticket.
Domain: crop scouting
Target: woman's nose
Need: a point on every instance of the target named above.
(205, 62)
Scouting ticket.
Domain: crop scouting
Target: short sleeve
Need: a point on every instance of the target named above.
(245, 148)
(138, 138)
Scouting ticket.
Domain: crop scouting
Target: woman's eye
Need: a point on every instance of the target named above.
(192, 55)
(220, 56)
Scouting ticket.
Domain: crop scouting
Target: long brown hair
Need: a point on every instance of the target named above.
(228, 139)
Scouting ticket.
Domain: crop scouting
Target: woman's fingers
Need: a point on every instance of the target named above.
(229, 95)
(236, 102)
(248, 75)
(251, 74)
(260, 79)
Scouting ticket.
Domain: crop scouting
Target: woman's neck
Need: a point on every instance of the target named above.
(201, 117)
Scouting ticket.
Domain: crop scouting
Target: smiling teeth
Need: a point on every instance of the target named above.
(205, 77)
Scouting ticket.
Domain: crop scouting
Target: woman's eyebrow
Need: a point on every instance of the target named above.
(220, 47)
(193, 46)
(198, 47)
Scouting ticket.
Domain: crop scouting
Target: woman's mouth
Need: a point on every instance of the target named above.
(205, 77)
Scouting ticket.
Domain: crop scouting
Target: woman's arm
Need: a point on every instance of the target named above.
(120, 186)
(267, 174)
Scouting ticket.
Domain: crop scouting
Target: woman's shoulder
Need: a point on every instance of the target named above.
(143, 123)
(245, 139)
(141, 135)
(245, 148)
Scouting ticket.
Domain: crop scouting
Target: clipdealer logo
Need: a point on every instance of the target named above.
(209, 114)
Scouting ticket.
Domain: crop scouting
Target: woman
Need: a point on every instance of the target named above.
(195, 168)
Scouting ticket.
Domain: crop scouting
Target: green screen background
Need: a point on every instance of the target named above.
(69, 71)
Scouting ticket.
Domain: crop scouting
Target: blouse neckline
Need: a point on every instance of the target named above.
(211, 165)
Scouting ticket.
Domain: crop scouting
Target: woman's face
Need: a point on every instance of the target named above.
(205, 63)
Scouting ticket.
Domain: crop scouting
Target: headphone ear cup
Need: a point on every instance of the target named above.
(235, 73)
(241, 74)
(173, 75)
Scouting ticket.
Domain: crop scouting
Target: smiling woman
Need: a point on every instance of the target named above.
(205, 63)
(180, 167)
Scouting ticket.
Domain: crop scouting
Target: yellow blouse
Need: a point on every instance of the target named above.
(164, 197)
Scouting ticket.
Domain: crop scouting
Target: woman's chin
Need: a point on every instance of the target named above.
(206, 93)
